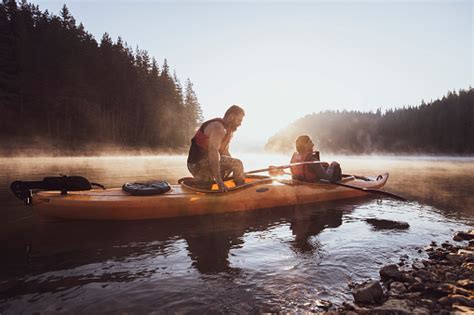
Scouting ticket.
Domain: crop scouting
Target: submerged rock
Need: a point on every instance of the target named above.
(383, 224)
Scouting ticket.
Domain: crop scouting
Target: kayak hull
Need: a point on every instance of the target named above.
(115, 204)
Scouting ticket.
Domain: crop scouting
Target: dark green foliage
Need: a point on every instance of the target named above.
(58, 83)
(444, 126)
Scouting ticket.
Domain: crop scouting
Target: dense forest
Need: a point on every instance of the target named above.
(58, 84)
(443, 126)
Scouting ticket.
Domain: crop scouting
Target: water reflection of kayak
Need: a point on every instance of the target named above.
(185, 199)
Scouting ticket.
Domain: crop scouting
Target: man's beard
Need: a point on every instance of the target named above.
(232, 127)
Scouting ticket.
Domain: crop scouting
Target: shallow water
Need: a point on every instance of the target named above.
(285, 259)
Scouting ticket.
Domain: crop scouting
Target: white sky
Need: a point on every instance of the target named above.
(282, 60)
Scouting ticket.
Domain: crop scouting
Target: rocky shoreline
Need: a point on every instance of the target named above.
(441, 284)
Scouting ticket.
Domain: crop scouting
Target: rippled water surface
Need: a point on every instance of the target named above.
(286, 259)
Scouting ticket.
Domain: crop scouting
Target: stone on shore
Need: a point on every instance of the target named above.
(397, 288)
(395, 306)
(442, 284)
(469, 235)
(390, 272)
(368, 293)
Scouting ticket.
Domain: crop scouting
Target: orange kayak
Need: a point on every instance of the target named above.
(184, 200)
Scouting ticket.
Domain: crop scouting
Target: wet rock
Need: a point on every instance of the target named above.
(420, 311)
(368, 293)
(463, 309)
(417, 286)
(394, 306)
(383, 224)
(449, 276)
(390, 272)
(397, 288)
(450, 288)
(461, 299)
(418, 265)
(407, 277)
(466, 283)
(429, 303)
(323, 304)
(445, 300)
(423, 275)
(446, 245)
(437, 255)
(455, 258)
(457, 238)
(433, 243)
(467, 254)
(468, 265)
(469, 235)
(442, 284)
(417, 280)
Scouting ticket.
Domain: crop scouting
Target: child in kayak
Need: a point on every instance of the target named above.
(312, 172)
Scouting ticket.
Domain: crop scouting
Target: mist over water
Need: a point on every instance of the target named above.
(267, 260)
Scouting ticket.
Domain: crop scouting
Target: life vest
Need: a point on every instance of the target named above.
(303, 172)
(199, 149)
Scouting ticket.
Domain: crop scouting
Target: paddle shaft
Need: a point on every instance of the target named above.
(281, 167)
(369, 190)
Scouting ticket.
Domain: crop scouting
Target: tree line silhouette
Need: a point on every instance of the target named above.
(58, 83)
(443, 126)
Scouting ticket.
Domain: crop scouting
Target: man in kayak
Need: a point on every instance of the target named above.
(209, 158)
(312, 172)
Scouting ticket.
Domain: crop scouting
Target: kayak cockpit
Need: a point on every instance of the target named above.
(210, 187)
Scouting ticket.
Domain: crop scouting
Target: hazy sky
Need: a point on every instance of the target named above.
(283, 60)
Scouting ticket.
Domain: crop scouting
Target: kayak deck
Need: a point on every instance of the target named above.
(183, 200)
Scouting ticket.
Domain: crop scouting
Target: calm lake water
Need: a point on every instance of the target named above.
(273, 260)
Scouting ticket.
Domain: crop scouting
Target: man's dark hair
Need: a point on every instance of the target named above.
(234, 109)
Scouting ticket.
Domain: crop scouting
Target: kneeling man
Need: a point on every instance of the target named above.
(209, 158)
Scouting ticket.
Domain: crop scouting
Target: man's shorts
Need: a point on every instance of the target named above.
(202, 170)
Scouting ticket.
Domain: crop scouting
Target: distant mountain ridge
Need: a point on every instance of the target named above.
(443, 126)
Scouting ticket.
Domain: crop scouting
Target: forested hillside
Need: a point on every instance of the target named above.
(59, 84)
(444, 126)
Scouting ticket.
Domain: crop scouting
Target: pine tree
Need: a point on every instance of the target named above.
(193, 109)
(67, 19)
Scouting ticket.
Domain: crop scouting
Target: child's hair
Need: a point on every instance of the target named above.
(301, 142)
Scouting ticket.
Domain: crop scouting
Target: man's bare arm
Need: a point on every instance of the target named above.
(225, 150)
(216, 133)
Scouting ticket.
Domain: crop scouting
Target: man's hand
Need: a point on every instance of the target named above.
(222, 186)
(275, 171)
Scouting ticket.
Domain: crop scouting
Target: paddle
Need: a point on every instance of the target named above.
(369, 190)
(281, 167)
